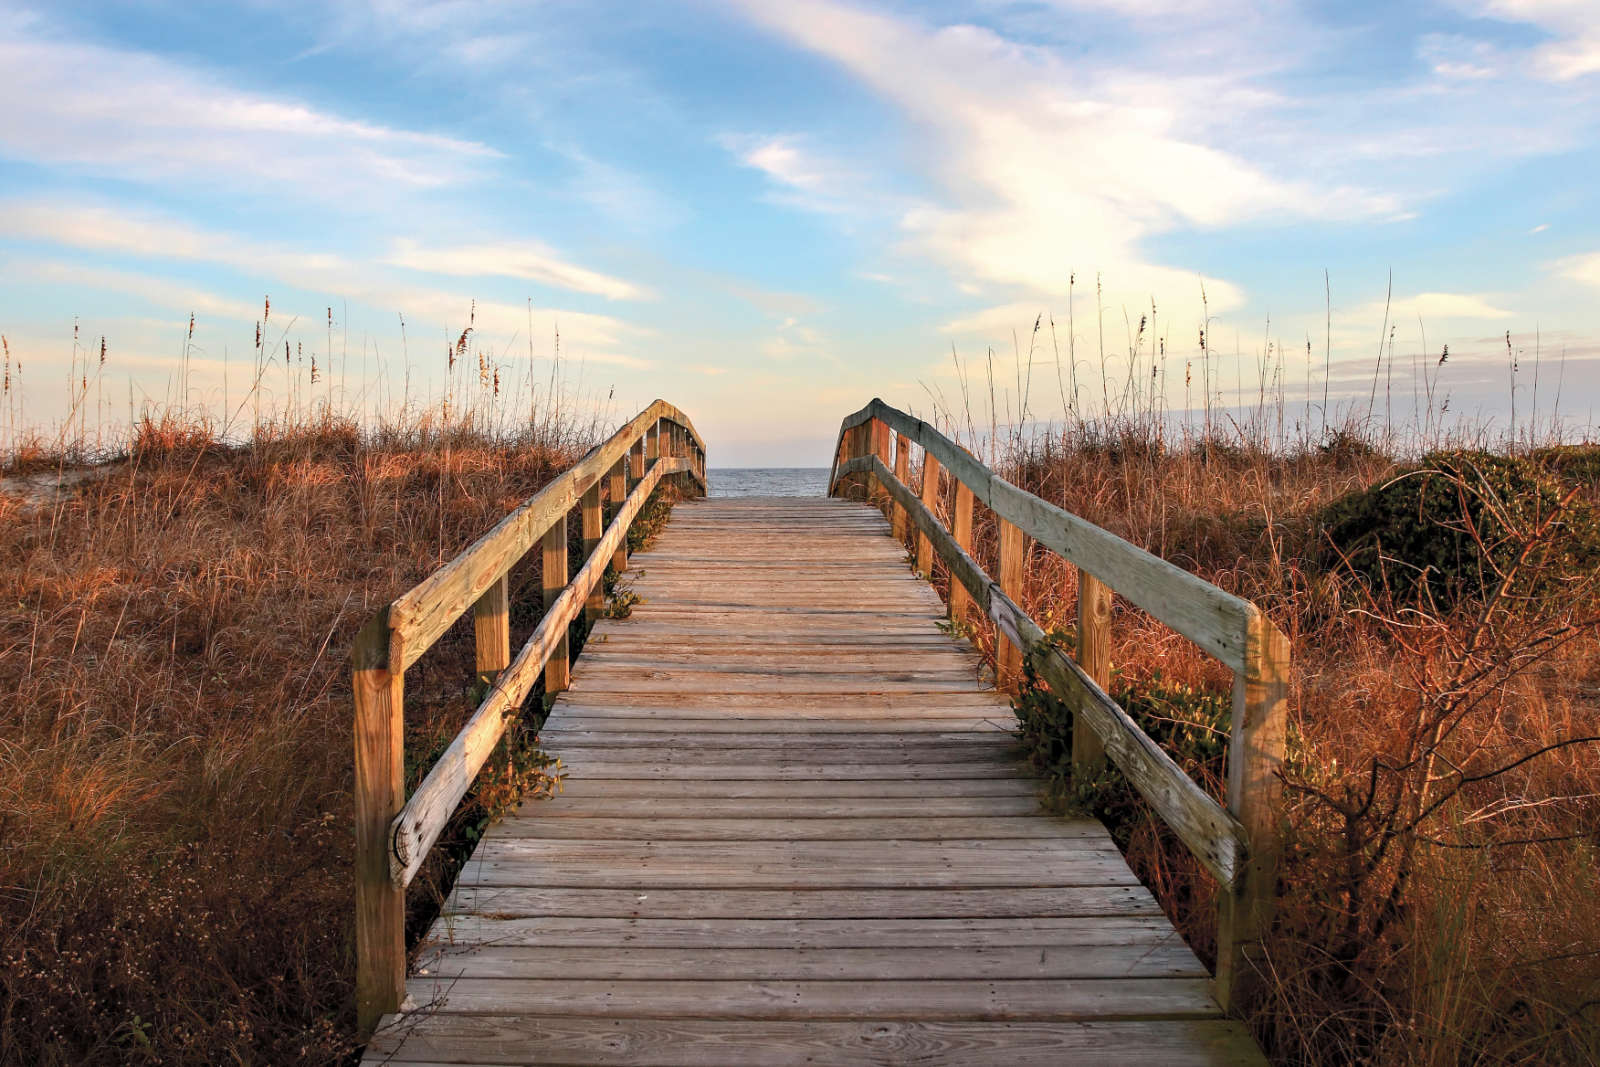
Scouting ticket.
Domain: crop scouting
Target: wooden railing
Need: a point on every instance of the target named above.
(393, 834)
(1238, 843)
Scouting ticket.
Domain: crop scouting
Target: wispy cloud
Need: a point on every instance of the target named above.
(1573, 50)
(1437, 307)
(128, 114)
(1041, 171)
(527, 260)
(1584, 268)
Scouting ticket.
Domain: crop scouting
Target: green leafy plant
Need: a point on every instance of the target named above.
(1444, 530)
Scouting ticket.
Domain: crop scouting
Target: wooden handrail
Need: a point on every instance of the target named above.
(393, 835)
(1215, 620)
(1236, 844)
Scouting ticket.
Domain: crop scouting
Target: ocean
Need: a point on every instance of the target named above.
(768, 481)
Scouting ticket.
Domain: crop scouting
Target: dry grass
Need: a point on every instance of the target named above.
(1471, 936)
(175, 769)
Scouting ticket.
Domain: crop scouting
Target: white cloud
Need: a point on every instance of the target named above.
(528, 260)
(1438, 307)
(1585, 268)
(1574, 25)
(1042, 170)
(133, 115)
(96, 227)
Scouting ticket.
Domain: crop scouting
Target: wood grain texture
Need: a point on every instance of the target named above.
(380, 785)
(794, 827)
(564, 1040)
(1013, 565)
(1094, 656)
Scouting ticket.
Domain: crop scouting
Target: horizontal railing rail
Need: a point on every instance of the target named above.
(1236, 843)
(393, 833)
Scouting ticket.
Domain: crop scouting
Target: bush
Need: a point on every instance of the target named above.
(1451, 527)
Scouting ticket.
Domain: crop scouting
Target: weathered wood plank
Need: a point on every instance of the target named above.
(529, 824)
(835, 963)
(648, 901)
(379, 793)
(432, 1041)
(466, 932)
(1056, 1000)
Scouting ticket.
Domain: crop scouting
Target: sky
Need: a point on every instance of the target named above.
(768, 213)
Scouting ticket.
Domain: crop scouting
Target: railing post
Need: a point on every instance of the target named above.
(961, 530)
(930, 500)
(380, 794)
(619, 494)
(491, 624)
(636, 460)
(594, 528)
(652, 443)
(1013, 554)
(1255, 754)
(878, 443)
(902, 473)
(1094, 656)
(554, 548)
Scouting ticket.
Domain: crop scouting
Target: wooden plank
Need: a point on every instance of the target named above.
(591, 518)
(930, 500)
(469, 931)
(847, 963)
(647, 901)
(1256, 754)
(975, 698)
(433, 1040)
(379, 793)
(650, 730)
(865, 809)
(643, 766)
(558, 665)
(1057, 1000)
(802, 790)
(1094, 656)
(843, 828)
(902, 471)
(1013, 557)
(491, 625)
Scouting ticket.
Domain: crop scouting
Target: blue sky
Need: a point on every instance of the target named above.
(770, 212)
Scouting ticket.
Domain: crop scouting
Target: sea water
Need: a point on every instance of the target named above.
(768, 481)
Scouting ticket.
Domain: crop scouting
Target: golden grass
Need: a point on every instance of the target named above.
(1482, 945)
(175, 769)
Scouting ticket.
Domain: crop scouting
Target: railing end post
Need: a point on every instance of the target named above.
(378, 685)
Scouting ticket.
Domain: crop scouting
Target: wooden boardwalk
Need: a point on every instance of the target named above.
(795, 830)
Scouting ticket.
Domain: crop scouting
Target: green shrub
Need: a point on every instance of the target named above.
(1444, 530)
(1575, 466)
(1189, 724)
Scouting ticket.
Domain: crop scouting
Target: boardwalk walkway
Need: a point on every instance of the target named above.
(794, 829)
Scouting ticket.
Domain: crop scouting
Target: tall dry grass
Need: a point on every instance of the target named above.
(1437, 895)
(176, 606)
